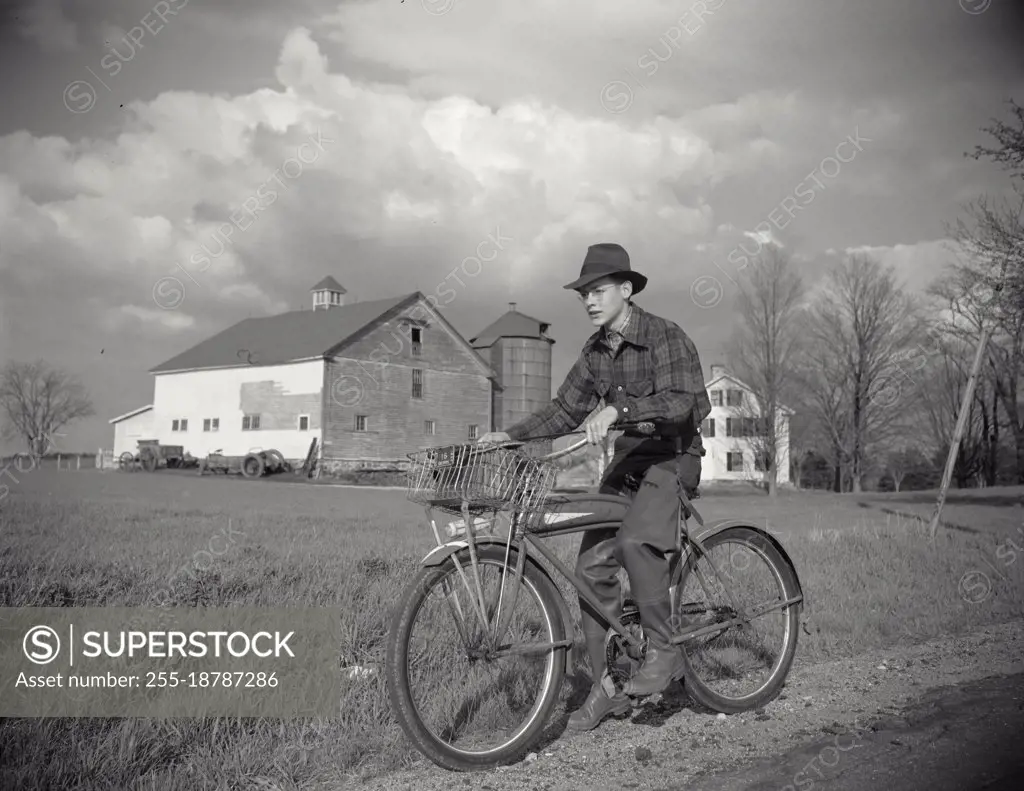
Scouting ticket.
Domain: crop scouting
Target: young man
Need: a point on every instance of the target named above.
(646, 369)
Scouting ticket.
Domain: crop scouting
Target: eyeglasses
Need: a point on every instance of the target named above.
(599, 293)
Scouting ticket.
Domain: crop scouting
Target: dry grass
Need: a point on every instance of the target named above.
(86, 538)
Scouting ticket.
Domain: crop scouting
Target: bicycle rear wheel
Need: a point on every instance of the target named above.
(466, 702)
(744, 666)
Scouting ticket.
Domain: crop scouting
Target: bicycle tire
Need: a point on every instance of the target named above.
(786, 574)
(396, 667)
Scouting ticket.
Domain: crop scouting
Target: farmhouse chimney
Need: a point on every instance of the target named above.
(717, 370)
(328, 293)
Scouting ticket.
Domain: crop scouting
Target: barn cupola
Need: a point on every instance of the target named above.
(328, 293)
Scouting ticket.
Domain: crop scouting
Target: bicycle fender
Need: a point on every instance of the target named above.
(440, 554)
(709, 529)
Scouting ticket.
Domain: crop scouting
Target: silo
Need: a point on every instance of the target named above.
(519, 350)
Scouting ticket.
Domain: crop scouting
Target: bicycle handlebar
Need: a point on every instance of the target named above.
(644, 426)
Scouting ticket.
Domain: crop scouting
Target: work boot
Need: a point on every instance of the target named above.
(598, 706)
(662, 665)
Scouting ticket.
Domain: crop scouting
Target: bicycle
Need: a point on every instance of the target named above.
(471, 480)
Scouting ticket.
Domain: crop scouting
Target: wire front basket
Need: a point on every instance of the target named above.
(483, 477)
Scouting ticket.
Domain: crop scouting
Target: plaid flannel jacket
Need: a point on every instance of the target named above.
(656, 374)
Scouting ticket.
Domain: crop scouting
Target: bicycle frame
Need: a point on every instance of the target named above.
(689, 547)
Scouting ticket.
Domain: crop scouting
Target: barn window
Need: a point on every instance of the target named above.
(360, 422)
(473, 431)
(707, 428)
(417, 383)
(734, 461)
(417, 340)
(250, 422)
(429, 426)
(303, 422)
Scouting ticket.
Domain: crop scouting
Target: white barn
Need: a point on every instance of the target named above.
(731, 450)
(368, 381)
(132, 426)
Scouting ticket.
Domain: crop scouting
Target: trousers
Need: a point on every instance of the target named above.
(645, 544)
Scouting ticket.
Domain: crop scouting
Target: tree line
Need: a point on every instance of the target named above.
(876, 374)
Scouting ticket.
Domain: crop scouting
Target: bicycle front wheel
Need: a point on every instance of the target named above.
(466, 697)
(746, 585)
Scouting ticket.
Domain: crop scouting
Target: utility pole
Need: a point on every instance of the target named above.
(965, 404)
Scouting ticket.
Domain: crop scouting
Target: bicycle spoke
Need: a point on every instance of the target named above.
(740, 627)
(479, 696)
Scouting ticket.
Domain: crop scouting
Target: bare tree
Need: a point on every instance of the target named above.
(762, 353)
(903, 461)
(939, 398)
(38, 401)
(861, 326)
(825, 394)
(989, 284)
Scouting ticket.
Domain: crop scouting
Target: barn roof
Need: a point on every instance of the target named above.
(287, 337)
(512, 325)
(133, 413)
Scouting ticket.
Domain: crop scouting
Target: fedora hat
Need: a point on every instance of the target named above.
(607, 259)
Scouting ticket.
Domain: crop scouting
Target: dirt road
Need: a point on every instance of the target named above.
(961, 738)
(939, 715)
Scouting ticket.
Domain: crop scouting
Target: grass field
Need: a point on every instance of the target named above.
(87, 538)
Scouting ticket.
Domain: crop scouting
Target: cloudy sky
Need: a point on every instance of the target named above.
(385, 142)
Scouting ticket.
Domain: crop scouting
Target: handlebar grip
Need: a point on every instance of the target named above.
(642, 426)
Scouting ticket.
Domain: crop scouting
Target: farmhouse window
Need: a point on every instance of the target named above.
(707, 428)
(360, 422)
(303, 422)
(473, 429)
(716, 397)
(428, 427)
(761, 462)
(417, 341)
(174, 425)
(734, 398)
(734, 461)
(417, 383)
(250, 422)
(209, 424)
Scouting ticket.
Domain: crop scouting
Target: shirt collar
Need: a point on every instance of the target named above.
(633, 331)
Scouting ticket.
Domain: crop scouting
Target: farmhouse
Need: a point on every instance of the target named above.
(369, 381)
(732, 436)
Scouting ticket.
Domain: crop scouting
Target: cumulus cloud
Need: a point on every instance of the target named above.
(918, 264)
(392, 143)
